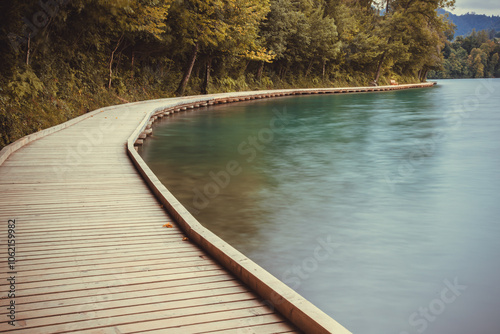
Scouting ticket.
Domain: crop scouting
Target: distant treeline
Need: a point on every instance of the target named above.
(62, 58)
(473, 56)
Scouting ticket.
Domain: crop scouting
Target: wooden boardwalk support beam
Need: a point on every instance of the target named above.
(101, 246)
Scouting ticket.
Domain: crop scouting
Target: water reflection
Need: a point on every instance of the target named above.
(329, 177)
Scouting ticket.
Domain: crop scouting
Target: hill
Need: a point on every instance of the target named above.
(465, 23)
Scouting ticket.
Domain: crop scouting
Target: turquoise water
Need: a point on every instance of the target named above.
(380, 208)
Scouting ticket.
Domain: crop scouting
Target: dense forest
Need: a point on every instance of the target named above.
(473, 56)
(62, 58)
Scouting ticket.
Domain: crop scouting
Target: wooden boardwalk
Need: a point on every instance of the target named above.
(93, 254)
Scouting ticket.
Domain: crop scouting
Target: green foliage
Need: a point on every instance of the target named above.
(473, 56)
(92, 53)
(24, 84)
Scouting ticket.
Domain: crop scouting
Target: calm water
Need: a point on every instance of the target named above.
(381, 208)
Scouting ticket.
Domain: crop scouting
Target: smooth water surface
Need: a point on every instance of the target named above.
(383, 209)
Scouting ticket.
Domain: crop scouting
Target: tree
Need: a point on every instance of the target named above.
(278, 26)
(416, 35)
(476, 63)
(359, 36)
(324, 43)
(494, 65)
(474, 40)
(208, 26)
(242, 36)
(301, 34)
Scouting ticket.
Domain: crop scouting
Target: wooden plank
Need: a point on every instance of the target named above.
(217, 313)
(76, 218)
(66, 192)
(140, 298)
(28, 266)
(257, 323)
(48, 248)
(31, 237)
(108, 227)
(74, 206)
(74, 186)
(82, 258)
(71, 252)
(103, 289)
(32, 303)
(177, 313)
(89, 273)
(87, 270)
(35, 263)
(85, 206)
(63, 216)
(53, 247)
(112, 275)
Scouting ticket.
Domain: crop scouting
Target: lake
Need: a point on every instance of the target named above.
(382, 209)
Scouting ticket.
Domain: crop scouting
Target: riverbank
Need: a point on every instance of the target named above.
(209, 100)
(40, 112)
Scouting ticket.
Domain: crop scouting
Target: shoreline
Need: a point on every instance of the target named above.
(223, 98)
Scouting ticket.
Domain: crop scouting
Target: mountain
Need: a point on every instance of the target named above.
(465, 23)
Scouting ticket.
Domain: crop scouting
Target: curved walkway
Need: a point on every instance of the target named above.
(94, 248)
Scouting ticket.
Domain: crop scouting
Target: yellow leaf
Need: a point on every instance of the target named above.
(168, 225)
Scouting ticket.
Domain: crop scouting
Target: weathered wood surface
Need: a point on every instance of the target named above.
(92, 255)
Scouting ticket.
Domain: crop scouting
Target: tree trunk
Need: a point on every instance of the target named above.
(133, 60)
(28, 51)
(308, 71)
(111, 61)
(206, 79)
(423, 75)
(324, 69)
(182, 86)
(285, 72)
(260, 70)
(379, 68)
(119, 61)
(244, 69)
